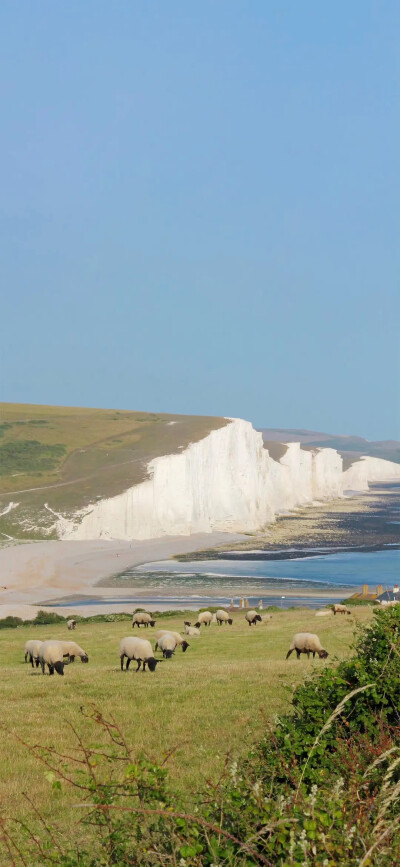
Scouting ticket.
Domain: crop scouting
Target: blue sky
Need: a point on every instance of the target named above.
(200, 209)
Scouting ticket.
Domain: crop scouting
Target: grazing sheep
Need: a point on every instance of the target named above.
(266, 618)
(72, 649)
(180, 641)
(205, 617)
(139, 649)
(71, 624)
(167, 644)
(252, 617)
(306, 642)
(223, 617)
(50, 653)
(142, 618)
(340, 609)
(31, 651)
(191, 630)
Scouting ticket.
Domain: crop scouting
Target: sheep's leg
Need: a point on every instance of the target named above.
(289, 652)
(138, 664)
(37, 662)
(30, 659)
(43, 667)
(144, 666)
(122, 661)
(26, 656)
(128, 662)
(298, 653)
(51, 668)
(308, 654)
(71, 658)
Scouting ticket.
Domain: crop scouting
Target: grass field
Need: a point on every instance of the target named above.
(67, 457)
(209, 701)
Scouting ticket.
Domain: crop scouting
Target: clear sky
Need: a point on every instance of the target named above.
(200, 208)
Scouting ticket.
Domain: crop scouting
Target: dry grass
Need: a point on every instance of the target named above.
(211, 700)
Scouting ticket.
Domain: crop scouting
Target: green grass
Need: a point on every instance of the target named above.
(70, 456)
(211, 700)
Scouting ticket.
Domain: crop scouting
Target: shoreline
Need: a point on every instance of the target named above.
(67, 572)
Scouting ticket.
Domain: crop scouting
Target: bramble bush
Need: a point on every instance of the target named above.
(321, 788)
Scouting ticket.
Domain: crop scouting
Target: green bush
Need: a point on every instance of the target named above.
(350, 603)
(10, 622)
(44, 618)
(28, 455)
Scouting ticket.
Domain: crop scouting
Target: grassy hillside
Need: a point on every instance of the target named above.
(209, 701)
(69, 456)
(350, 447)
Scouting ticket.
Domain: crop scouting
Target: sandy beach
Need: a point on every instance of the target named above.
(37, 571)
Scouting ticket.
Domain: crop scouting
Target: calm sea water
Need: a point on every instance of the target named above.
(215, 582)
(347, 568)
(218, 581)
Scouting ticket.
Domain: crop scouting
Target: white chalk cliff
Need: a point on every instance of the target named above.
(227, 481)
(368, 469)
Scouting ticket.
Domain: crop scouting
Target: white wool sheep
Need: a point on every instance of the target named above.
(31, 651)
(252, 618)
(204, 618)
(223, 617)
(50, 653)
(167, 644)
(266, 618)
(306, 642)
(180, 641)
(340, 609)
(72, 649)
(139, 649)
(71, 624)
(142, 618)
(191, 630)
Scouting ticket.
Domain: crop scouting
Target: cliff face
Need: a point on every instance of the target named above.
(227, 481)
(368, 469)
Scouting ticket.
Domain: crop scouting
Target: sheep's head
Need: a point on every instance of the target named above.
(59, 667)
(187, 622)
(198, 624)
(185, 645)
(257, 617)
(230, 621)
(152, 663)
(85, 658)
(168, 653)
(323, 654)
(152, 622)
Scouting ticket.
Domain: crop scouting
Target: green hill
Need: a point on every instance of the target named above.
(69, 456)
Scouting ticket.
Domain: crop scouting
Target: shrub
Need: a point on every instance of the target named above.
(10, 622)
(45, 618)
